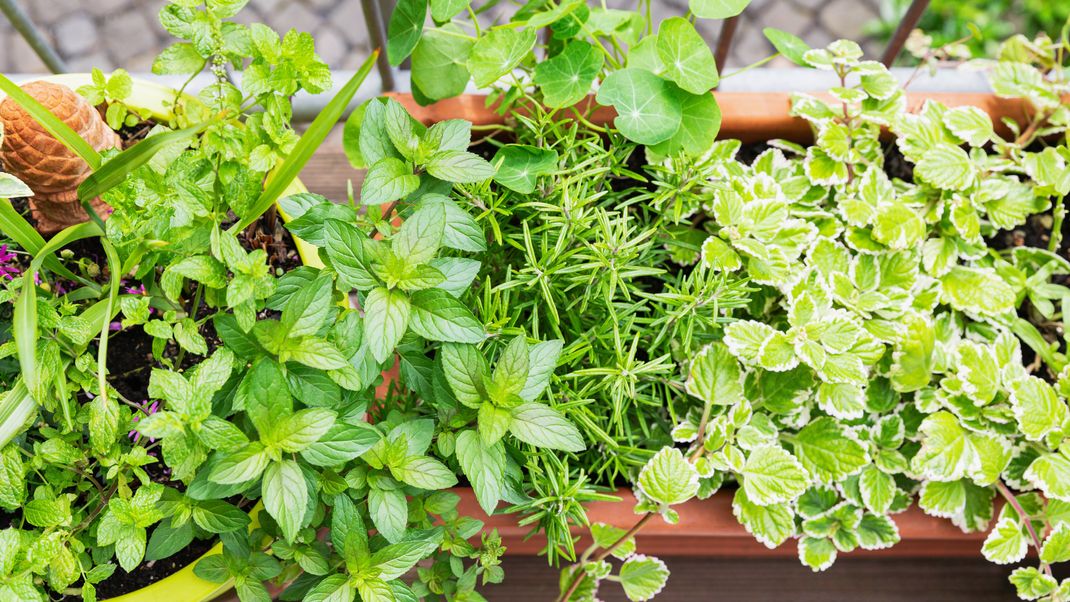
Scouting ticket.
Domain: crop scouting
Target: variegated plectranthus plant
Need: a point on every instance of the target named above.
(889, 352)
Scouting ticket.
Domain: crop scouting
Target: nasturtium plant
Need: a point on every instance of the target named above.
(657, 76)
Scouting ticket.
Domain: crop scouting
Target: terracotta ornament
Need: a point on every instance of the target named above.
(48, 167)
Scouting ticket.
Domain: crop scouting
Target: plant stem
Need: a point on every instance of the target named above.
(578, 578)
(1013, 501)
(1058, 215)
(751, 66)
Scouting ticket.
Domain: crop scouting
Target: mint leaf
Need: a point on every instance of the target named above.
(542, 360)
(345, 245)
(540, 425)
(438, 316)
(425, 473)
(285, 496)
(419, 238)
(465, 370)
(386, 318)
(389, 512)
(484, 466)
(388, 180)
(461, 167)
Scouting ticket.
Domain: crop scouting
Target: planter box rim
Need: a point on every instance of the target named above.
(745, 116)
(708, 528)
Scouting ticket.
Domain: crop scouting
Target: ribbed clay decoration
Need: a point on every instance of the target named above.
(52, 171)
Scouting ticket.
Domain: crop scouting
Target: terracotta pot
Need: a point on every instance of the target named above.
(747, 116)
(707, 528)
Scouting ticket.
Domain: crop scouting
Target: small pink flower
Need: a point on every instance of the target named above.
(7, 268)
(152, 409)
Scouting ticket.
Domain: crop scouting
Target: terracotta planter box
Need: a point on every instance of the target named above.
(747, 116)
(708, 529)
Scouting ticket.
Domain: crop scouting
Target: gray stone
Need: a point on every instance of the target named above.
(845, 18)
(791, 19)
(348, 18)
(22, 59)
(267, 6)
(48, 12)
(354, 59)
(84, 63)
(103, 8)
(322, 5)
(293, 16)
(127, 35)
(749, 46)
(75, 34)
(330, 45)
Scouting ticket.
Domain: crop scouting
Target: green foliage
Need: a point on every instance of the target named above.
(881, 352)
(655, 75)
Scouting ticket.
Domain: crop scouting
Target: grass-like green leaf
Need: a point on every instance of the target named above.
(54, 125)
(314, 136)
(24, 321)
(23, 233)
(115, 170)
(15, 410)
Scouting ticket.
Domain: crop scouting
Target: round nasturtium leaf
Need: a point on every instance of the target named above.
(648, 108)
(685, 56)
(519, 165)
(439, 68)
(566, 78)
(717, 9)
(405, 28)
(699, 124)
(790, 46)
(444, 10)
(644, 55)
(498, 52)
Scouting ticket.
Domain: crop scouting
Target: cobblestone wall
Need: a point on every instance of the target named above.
(111, 33)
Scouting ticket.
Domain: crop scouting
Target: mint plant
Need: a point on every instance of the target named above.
(109, 464)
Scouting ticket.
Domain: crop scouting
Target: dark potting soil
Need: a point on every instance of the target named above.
(147, 573)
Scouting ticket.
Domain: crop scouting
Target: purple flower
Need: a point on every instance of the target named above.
(152, 409)
(8, 269)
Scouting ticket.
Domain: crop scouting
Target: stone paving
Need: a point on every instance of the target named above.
(126, 33)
